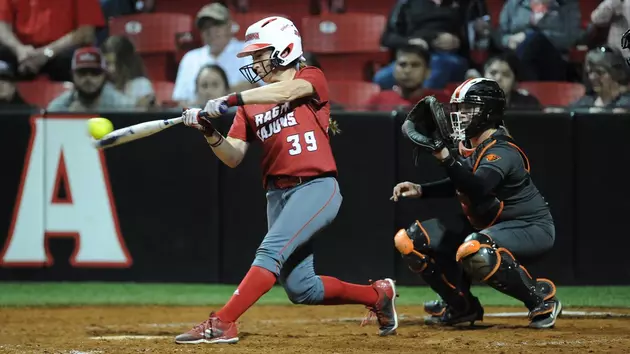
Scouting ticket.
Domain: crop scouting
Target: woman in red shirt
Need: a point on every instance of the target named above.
(290, 117)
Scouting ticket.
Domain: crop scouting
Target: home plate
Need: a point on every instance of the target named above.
(129, 337)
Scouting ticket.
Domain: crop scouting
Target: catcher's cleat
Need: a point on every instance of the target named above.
(452, 317)
(210, 331)
(544, 315)
(385, 307)
(435, 308)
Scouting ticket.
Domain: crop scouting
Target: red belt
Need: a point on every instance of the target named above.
(284, 182)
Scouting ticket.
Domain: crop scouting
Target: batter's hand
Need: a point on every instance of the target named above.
(406, 190)
(216, 107)
(192, 118)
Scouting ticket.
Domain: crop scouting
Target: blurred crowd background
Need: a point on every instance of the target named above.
(378, 55)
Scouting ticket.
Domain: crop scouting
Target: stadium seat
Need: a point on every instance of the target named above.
(451, 86)
(188, 7)
(494, 10)
(346, 45)
(443, 96)
(41, 92)
(156, 37)
(554, 93)
(243, 20)
(163, 92)
(343, 33)
(352, 94)
(294, 9)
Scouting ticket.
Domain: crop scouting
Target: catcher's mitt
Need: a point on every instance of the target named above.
(427, 126)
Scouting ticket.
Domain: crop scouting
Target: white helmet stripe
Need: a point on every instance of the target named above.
(461, 90)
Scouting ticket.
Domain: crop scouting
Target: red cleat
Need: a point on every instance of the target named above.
(210, 331)
(385, 307)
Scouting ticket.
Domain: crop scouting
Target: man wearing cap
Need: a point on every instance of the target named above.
(215, 24)
(91, 92)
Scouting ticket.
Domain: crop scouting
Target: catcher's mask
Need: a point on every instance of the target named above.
(476, 105)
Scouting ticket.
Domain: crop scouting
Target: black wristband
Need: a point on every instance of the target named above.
(218, 142)
(235, 99)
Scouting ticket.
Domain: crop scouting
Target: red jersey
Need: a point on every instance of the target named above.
(294, 135)
(41, 22)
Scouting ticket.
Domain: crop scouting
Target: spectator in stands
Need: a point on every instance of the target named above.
(9, 95)
(609, 77)
(215, 24)
(540, 32)
(40, 36)
(92, 92)
(126, 70)
(479, 33)
(433, 24)
(616, 14)
(411, 69)
(504, 70)
(211, 83)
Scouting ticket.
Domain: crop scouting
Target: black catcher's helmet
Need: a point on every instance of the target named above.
(476, 105)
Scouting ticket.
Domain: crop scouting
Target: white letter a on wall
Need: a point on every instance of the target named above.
(64, 192)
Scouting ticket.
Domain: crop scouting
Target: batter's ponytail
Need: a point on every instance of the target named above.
(334, 126)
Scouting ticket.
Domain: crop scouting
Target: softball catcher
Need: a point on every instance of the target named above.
(505, 218)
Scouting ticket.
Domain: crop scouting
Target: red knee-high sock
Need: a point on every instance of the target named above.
(337, 292)
(255, 284)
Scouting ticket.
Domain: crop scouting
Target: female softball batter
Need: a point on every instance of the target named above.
(290, 117)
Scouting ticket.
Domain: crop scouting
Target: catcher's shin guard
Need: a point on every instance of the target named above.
(484, 261)
(414, 245)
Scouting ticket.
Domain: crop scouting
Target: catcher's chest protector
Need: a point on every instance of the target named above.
(485, 212)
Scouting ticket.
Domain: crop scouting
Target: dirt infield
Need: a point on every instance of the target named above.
(300, 329)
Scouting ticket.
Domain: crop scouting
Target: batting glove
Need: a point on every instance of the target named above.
(195, 118)
(216, 107)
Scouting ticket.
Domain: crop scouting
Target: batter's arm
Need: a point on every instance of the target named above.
(230, 151)
(277, 92)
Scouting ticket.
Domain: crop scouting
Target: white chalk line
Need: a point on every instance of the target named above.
(130, 337)
(542, 343)
(20, 349)
(585, 314)
(574, 314)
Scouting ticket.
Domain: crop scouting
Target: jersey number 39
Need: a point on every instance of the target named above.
(296, 144)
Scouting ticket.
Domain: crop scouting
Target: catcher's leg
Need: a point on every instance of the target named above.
(485, 260)
(420, 246)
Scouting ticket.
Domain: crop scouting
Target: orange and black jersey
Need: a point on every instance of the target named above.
(493, 180)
